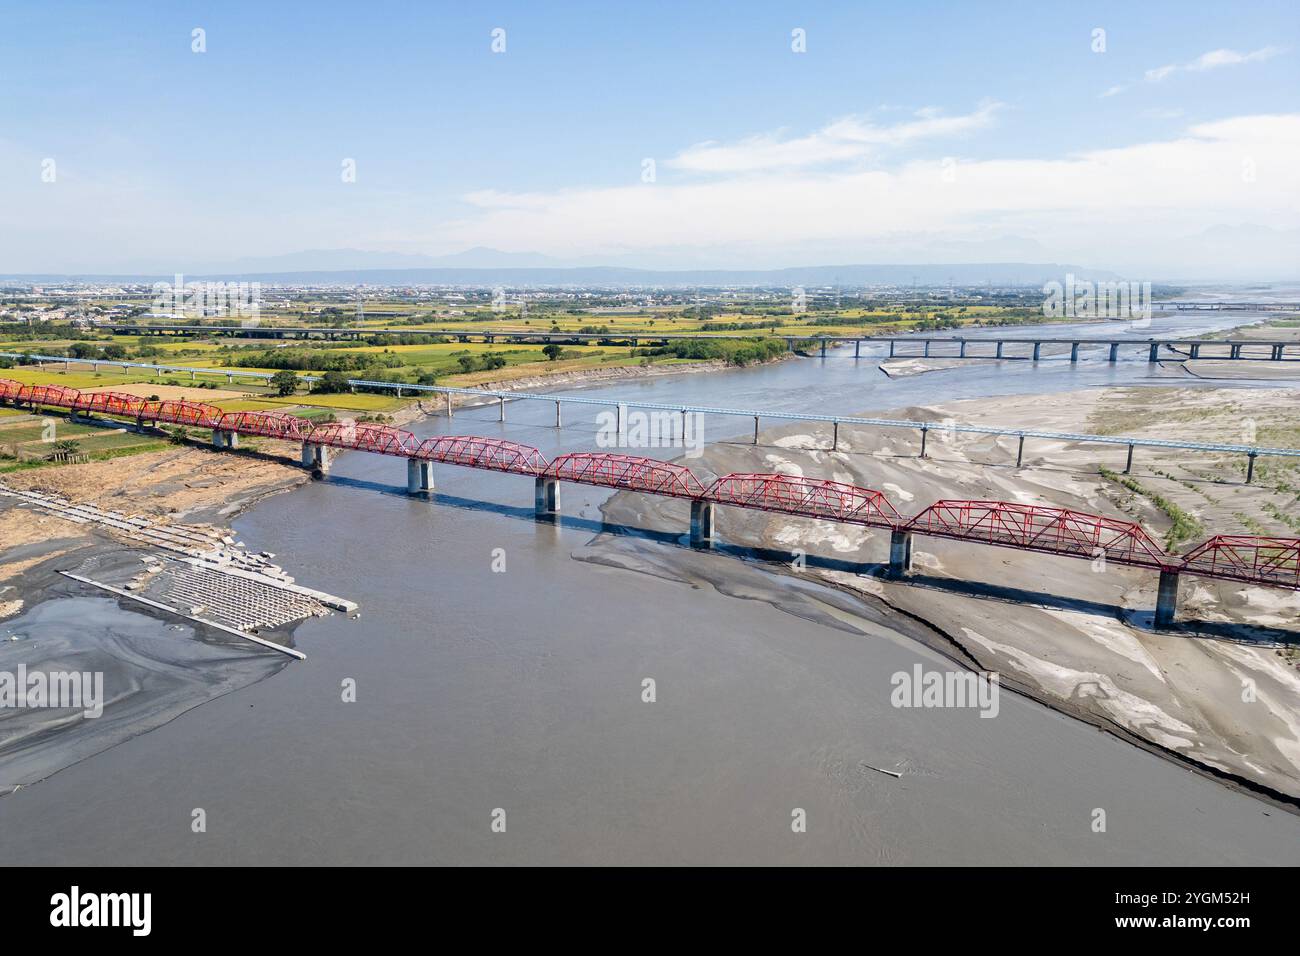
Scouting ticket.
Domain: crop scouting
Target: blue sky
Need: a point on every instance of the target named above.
(168, 158)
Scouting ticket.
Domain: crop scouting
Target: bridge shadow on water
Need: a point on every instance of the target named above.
(1142, 619)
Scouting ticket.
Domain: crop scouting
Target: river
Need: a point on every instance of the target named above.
(480, 689)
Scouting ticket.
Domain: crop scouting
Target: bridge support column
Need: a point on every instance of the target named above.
(232, 439)
(559, 418)
(1234, 352)
(900, 553)
(857, 348)
(961, 353)
(823, 348)
(835, 436)
(892, 343)
(1020, 451)
(1250, 466)
(1194, 350)
(1167, 598)
(1154, 355)
(1277, 353)
(702, 525)
(1114, 352)
(998, 354)
(926, 353)
(1038, 349)
(755, 429)
(502, 401)
(308, 455)
(1128, 465)
(449, 404)
(218, 438)
(419, 476)
(1074, 353)
(924, 433)
(546, 497)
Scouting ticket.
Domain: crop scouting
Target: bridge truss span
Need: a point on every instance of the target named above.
(365, 436)
(1272, 562)
(280, 425)
(627, 471)
(473, 451)
(1043, 528)
(181, 412)
(109, 403)
(806, 497)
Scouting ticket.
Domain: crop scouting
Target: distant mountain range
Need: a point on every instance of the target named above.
(489, 267)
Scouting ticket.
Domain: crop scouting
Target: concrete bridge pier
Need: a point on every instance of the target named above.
(755, 429)
(1234, 352)
(1194, 350)
(1020, 451)
(419, 477)
(835, 436)
(559, 418)
(892, 343)
(926, 353)
(1128, 465)
(998, 353)
(232, 439)
(1277, 353)
(1167, 598)
(857, 348)
(961, 353)
(449, 404)
(703, 528)
(1154, 355)
(1114, 352)
(924, 434)
(1250, 466)
(1038, 349)
(218, 438)
(546, 497)
(308, 454)
(900, 553)
(1074, 353)
(823, 348)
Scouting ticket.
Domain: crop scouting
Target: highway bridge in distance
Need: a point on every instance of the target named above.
(996, 347)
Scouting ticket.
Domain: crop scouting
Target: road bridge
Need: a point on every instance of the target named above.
(998, 347)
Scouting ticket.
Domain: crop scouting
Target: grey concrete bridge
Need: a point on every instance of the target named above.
(997, 347)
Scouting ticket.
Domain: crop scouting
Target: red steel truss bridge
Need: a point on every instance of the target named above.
(1252, 559)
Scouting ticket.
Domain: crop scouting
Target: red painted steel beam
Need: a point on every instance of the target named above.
(1042, 528)
(181, 412)
(266, 424)
(365, 436)
(494, 454)
(627, 471)
(109, 403)
(806, 497)
(1273, 562)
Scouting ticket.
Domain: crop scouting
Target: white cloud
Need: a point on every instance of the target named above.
(1213, 60)
(1088, 202)
(852, 137)
(1114, 91)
